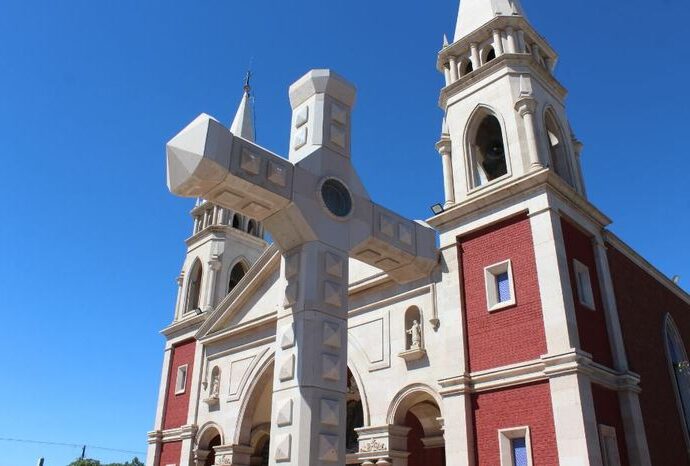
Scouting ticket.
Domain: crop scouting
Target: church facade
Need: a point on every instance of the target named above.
(535, 336)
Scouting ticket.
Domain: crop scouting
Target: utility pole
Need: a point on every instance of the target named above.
(83, 451)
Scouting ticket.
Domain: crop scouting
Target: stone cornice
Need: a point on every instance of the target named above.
(641, 262)
(540, 179)
(544, 368)
(227, 231)
(186, 325)
(172, 435)
(510, 62)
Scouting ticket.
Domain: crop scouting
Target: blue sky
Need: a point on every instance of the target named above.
(91, 90)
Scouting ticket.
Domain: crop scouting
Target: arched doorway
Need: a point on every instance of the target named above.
(355, 414)
(254, 428)
(418, 410)
(209, 438)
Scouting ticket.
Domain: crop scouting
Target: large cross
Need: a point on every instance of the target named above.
(319, 214)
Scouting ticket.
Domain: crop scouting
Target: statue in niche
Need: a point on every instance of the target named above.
(215, 386)
(416, 333)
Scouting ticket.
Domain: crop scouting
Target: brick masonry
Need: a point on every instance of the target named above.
(527, 405)
(642, 304)
(177, 406)
(513, 334)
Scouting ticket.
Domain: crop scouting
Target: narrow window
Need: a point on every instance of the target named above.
(467, 68)
(680, 372)
(488, 151)
(500, 291)
(181, 380)
(518, 450)
(583, 284)
(557, 150)
(236, 275)
(251, 227)
(491, 55)
(503, 287)
(609, 446)
(236, 221)
(194, 287)
(515, 446)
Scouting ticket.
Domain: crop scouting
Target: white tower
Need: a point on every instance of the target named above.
(505, 112)
(223, 245)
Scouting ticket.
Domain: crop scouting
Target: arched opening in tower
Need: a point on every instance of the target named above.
(490, 157)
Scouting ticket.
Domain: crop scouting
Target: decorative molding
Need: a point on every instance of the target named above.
(373, 445)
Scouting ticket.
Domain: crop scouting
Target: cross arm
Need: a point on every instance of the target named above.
(404, 249)
(206, 160)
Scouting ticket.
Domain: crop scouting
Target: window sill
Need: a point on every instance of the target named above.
(502, 306)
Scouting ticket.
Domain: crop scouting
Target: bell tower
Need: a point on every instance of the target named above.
(223, 244)
(530, 254)
(505, 111)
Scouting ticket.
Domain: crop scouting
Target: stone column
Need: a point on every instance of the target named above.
(635, 435)
(510, 35)
(526, 106)
(383, 445)
(476, 61)
(446, 74)
(444, 148)
(308, 421)
(577, 433)
(535, 53)
(498, 42)
(211, 278)
(457, 426)
(521, 41)
(557, 302)
(178, 300)
(453, 62)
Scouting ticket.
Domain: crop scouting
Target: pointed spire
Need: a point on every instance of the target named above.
(445, 41)
(473, 14)
(243, 124)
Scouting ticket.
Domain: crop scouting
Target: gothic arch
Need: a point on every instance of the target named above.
(206, 433)
(356, 359)
(476, 173)
(193, 286)
(407, 398)
(233, 280)
(262, 373)
(557, 143)
(679, 371)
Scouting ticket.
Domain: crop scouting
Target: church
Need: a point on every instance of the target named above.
(512, 328)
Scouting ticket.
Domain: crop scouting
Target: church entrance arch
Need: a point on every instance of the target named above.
(209, 438)
(417, 409)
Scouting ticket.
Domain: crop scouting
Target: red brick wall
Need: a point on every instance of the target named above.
(513, 334)
(420, 456)
(170, 453)
(527, 405)
(607, 409)
(176, 406)
(591, 324)
(642, 304)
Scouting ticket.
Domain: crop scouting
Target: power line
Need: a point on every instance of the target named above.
(60, 444)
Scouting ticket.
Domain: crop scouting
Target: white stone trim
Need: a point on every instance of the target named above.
(183, 371)
(505, 436)
(491, 274)
(583, 285)
(607, 436)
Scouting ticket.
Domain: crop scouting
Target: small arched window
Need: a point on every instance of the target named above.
(251, 227)
(236, 221)
(194, 287)
(466, 67)
(487, 150)
(354, 414)
(557, 149)
(680, 369)
(236, 275)
(490, 54)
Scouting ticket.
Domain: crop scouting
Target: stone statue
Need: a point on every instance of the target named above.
(215, 386)
(416, 332)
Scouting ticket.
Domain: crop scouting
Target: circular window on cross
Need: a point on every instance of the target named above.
(336, 197)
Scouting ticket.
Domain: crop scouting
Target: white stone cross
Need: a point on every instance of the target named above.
(319, 214)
